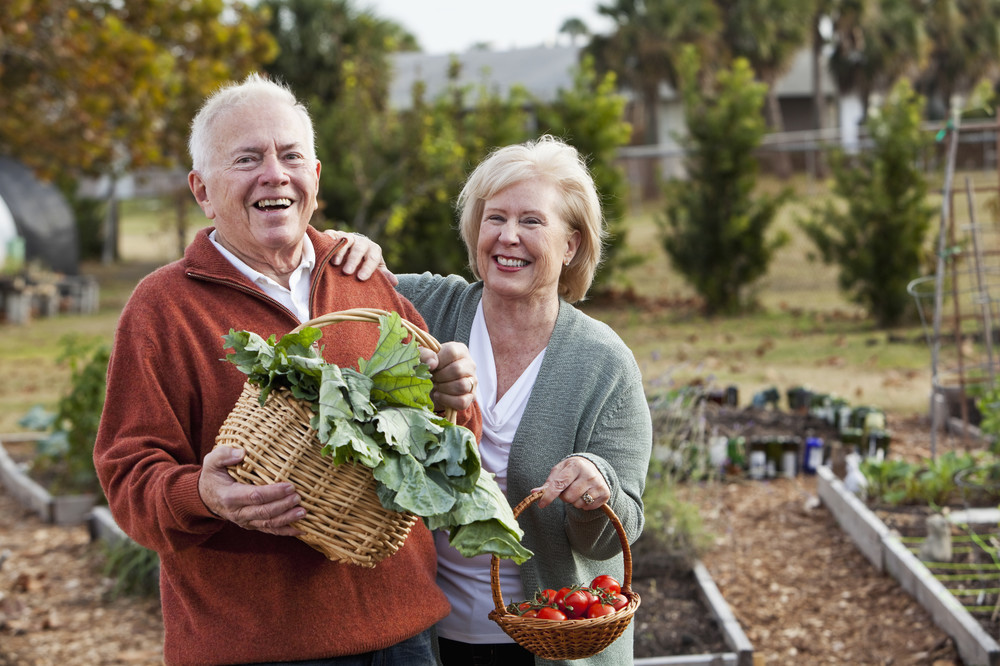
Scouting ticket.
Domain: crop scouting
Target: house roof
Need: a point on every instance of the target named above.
(543, 71)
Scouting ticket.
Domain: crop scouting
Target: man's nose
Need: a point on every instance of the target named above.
(273, 171)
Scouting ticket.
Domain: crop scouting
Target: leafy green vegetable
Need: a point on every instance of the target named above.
(381, 416)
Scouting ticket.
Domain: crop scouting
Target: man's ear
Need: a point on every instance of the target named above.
(200, 192)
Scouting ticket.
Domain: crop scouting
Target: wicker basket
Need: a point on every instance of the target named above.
(344, 518)
(566, 639)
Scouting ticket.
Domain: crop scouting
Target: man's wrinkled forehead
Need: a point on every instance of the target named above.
(257, 129)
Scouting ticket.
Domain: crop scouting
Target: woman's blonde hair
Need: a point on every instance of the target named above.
(551, 159)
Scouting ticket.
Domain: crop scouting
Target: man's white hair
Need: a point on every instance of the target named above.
(252, 89)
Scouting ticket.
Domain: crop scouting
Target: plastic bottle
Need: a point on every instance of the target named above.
(813, 456)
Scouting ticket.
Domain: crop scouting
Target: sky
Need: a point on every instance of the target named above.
(448, 26)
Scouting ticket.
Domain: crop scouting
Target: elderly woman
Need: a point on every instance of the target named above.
(561, 395)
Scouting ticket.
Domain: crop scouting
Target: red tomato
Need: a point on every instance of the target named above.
(550, 614)
(575, 603)
(530, 613)
(524, 606)
(597, 609)
(561, 594)
(608, 583)
(546, 596)
(619, 601)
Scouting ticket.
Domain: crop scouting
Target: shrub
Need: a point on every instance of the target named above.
(135, 569)
(66, 455)
(715, 229)
(876, 227)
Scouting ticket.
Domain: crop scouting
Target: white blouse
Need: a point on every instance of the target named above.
(466, 581)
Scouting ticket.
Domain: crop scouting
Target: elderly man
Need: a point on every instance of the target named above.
(235, 586)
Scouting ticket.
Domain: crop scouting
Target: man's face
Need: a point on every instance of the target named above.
(260, 184)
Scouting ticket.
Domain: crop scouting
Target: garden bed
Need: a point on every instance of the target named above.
(886, 550)
(15, 452)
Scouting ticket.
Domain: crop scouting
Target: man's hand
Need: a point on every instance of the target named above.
(360, 256)
(270, 508)
(454, 375)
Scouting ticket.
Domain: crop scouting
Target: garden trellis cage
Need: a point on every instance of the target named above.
(959, 305)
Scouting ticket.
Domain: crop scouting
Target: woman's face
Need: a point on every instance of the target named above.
(523, 241)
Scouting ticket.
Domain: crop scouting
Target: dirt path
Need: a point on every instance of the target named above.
(802, 591)
(54, 604)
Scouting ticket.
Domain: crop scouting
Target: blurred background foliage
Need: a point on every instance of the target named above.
(105, 88)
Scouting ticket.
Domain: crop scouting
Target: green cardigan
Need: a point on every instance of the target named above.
(589, 401)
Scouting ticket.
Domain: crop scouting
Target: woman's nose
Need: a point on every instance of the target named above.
(509, 232)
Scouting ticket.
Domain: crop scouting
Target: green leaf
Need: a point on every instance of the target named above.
(349, 442)
(407, 430)
(395, 368)
(414, 490)
(487, 537)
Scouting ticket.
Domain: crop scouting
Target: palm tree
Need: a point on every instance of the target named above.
(965, 47)
(875, 43)
(769, 34)
(645, 45)
(574, 27)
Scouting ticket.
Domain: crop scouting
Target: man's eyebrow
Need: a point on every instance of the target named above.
(254, 150)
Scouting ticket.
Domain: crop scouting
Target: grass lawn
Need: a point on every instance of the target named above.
(805, 333)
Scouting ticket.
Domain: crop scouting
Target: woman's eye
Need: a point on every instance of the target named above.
(531, 220)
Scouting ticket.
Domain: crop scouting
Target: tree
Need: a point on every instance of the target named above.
(769, 34)
(876, 228)
(590, 117)
(714, 228)
(99, 87)
(875, 42)
(574, 27)
(965, 48)
(645, 45)
(316, 37)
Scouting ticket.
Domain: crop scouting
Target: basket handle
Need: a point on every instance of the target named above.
(371, 315)
(528, 501)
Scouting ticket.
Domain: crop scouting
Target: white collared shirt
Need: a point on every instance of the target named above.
(296, 297)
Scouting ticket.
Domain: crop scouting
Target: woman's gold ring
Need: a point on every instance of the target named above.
(587, 499)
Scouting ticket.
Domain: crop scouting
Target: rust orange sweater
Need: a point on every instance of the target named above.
(229, 594)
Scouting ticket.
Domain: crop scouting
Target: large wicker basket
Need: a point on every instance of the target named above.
(344, 518)
(566, 639)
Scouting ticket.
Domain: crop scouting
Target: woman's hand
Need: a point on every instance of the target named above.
(359, 256)
(454, 375)
(576, 481)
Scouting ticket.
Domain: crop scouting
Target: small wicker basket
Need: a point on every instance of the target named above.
(344, 518)
(566, 639)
